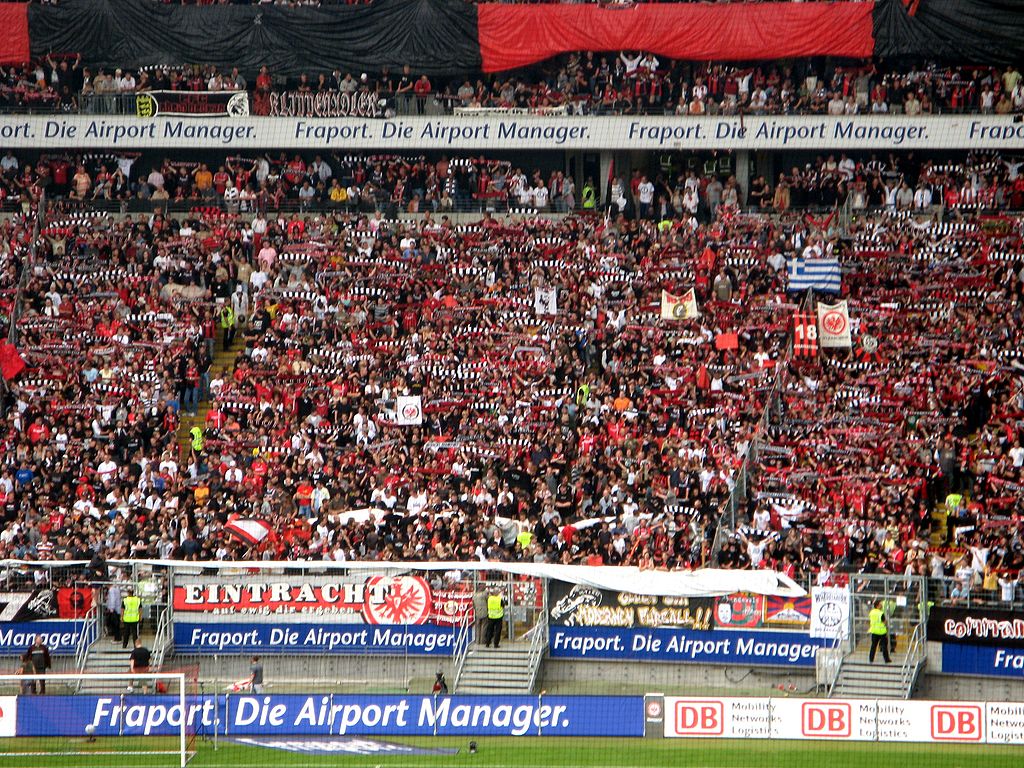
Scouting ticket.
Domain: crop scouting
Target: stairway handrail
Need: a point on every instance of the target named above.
(462, 643)
(839, 669)
(89, 635)
(537, 644)
(163, 639)
(912, 660)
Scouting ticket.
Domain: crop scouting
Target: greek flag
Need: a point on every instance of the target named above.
(820, 274)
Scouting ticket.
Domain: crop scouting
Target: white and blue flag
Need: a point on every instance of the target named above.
(820, 274)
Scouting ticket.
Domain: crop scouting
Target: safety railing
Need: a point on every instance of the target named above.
(163, 639)
(463, 641)
(538, 642)
(913, 661)
(88, 637)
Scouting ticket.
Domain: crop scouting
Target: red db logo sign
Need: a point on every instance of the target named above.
(699, 718)
(826, 721)
(956, 723)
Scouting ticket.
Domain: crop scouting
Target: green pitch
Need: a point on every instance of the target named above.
(533, 752)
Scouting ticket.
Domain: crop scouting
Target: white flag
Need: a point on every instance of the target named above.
(830, 612)
(834, 325)
(679, 307)
(545, 301)
(409, 410)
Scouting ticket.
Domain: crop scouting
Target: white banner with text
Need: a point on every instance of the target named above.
(503, 132)
(884, 720)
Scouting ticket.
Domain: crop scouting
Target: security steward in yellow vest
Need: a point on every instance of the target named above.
(197, 440)
(131, 615)
(879, 631)
(589, 196)
(495, 615)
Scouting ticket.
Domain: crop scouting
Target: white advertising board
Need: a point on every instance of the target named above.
(883, 720)
(878, 133)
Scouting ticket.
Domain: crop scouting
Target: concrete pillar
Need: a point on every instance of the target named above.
(607, 157)
(741, 169)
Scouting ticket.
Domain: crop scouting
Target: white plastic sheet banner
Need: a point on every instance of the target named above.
(545, 301)
(409, 410)
(882, 720)
(834, 325)
(830, 612)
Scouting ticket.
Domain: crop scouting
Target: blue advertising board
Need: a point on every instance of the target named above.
(328, 715)
(962, 659)
(60, 635)
(288, 637)
(679, 645)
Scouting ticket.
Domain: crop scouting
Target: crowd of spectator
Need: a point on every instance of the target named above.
(903, 455)
(632, 82)
(396, 184)
(564, 420)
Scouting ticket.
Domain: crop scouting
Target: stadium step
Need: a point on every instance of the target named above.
(864, 680)
(497, 670)
(223, 360)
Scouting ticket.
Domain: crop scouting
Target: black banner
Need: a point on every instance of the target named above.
(192, 103)
(40, 603)
(577, 605)
(976, 626)
(326, 104)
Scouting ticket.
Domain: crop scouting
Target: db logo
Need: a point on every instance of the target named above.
(700, 718)
(952, 722)
(826, 721)
(834, 323)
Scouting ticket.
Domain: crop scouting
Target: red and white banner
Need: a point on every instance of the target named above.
(249, 530)
(884, 720)
(374, 599)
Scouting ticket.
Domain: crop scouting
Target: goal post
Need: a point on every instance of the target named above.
(152, 717)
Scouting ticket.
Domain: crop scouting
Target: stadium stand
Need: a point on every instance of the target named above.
(604, 437)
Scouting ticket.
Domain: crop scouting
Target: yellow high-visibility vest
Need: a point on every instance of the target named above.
(495, 610)
(876, 622)
(131, 612)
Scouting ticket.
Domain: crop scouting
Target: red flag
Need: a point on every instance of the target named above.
(73, 603)
(727, 341)
(703, 380)
(11, 363)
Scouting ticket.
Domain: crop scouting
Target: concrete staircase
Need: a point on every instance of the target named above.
(860, 679)
(223, 360)
(497, 670)
(107, 657)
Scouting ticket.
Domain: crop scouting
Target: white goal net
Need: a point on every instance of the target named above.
(148, 719)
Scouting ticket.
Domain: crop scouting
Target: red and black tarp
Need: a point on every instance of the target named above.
(451, 37)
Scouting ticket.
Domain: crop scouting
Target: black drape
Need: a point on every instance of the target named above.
(432, 36)
(952, 31)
